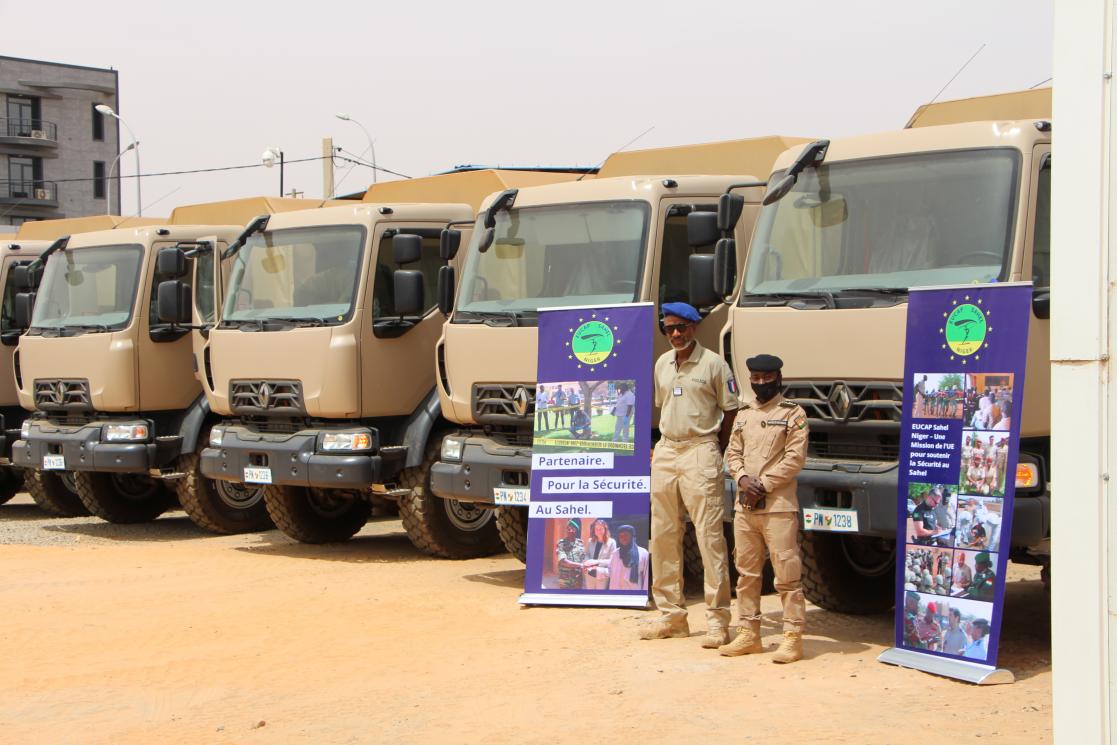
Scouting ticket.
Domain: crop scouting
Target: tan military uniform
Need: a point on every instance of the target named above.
(687, 475)
(769, 442)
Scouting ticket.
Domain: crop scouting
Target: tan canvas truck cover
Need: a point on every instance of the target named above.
(51, 230)
(237, 211)
(1029, 104)
(461, 187)
(752, 156)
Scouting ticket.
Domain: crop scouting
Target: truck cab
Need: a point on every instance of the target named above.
(825, 287)
(618, 238)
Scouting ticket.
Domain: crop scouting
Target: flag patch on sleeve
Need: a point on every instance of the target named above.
(732, 385)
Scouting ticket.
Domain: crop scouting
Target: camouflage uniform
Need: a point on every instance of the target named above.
(570, 578)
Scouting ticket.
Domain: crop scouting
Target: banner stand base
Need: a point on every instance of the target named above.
(601, 601)
(964, 670)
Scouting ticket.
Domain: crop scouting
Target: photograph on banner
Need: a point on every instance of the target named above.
(948, 625)
(585, 416)
(928, 569)
(596, 553)
(938, 395)
(979, 523)
(932, 513)
(974, 575)
(984, 470)
(988, 401)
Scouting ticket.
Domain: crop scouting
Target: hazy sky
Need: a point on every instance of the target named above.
(441, 83)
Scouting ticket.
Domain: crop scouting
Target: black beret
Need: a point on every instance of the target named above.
(764, 363)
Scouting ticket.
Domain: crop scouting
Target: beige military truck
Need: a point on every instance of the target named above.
(118, 409)
(321, 366)
(619, 238)
(848, 226)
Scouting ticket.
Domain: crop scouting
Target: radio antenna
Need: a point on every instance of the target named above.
(622, 147)
(960, 69)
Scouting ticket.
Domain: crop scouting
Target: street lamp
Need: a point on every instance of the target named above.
(347, 118)
(107, 111)
(108, 197)
(269, 157)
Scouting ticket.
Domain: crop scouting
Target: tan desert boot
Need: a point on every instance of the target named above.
(664, 630)
(747, 642)
(791, 648)
(715, 639)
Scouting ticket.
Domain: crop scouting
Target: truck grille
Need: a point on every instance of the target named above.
(502, 403)
(62, 395)
(854, 446)
(267, 397)
(844, 401)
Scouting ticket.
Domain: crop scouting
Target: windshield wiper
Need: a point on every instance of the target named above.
(825, 296)
(87, 327)
(302, 320)
(492, 318)
(877, 290)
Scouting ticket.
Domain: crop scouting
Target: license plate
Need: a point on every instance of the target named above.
(54, 463)
(833, 521)
(516, 495)
(257, 475)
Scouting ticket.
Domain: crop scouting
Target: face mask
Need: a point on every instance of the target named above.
(766, 391)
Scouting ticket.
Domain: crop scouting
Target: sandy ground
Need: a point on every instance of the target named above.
(137, 634)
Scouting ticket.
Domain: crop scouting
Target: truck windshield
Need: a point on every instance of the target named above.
(296, 273)
(888, 223)
(543, 257)
(91, 287)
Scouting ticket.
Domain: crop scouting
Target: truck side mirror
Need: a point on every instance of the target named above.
(701, 281)
(172, 302)
(725, 267)
(21, 313)
(449, 240)
(406, 248)
(730, 207)
(170, 262)
(25, 278)
(445, 290)
(487, 236)
(1041, 302)
(702, 228)
(408, 286)
(779, 190)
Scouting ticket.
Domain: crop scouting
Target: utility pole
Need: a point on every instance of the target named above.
(327, 167)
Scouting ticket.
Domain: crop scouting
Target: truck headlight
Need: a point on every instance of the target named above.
(452, 449)
(216, 435)
(125, 432)
(347, 441)
(25, 429)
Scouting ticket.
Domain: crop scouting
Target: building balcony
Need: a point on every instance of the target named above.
(31, 132)
(30, 193)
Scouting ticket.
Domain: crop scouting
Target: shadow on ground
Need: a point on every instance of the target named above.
(172, 527)
(381, 548)
(513, 578)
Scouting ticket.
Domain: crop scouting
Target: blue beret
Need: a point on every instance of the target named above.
(681, 310)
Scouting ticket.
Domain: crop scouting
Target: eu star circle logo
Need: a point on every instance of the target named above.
(592, 342)
(965, 329)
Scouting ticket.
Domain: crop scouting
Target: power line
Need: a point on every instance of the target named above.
(357, 159)
(225, 168)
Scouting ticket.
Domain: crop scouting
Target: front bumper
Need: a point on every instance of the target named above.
(294, 460)
(82, 449)
(874, 496)
(486, 464)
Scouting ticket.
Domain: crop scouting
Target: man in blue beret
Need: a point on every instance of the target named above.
(697, 396)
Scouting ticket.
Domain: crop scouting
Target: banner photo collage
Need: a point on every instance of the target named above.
(589, 513)
(960, 438)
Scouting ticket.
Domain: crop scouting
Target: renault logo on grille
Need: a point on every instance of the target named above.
(840, 399)
(265, 396)
(59, 392)
(520, 400)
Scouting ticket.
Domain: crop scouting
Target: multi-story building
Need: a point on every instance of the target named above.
(56, 149)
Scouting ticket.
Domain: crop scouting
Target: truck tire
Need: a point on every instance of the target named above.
(316, 515)
(849, 573)
(445, 528)
(51, 493)
(11, 483)
(511, 524)
(122, 498)
(220, 506)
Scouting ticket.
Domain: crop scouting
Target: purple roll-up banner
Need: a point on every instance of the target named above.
(963, 383)
(589, 511)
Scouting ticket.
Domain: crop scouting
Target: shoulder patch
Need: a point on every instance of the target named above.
(788, 404)
(746, 406)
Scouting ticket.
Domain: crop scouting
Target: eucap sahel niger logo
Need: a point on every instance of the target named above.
(966, 329)
(592, 342)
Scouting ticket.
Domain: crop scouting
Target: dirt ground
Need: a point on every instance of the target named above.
(138, 634)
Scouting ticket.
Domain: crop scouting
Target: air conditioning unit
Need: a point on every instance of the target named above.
(42, 194)
(38, 134)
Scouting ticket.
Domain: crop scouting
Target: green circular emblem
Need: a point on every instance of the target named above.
(965, 329)
(592, 342)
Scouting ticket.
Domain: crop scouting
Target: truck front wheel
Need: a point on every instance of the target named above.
(53, 494)
(220, 506)
(316, 515)
(511, 524)
(852, 574)
(122, 497)
(445, 528)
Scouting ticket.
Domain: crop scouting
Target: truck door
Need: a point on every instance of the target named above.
(208, 295)
(1037, 267)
